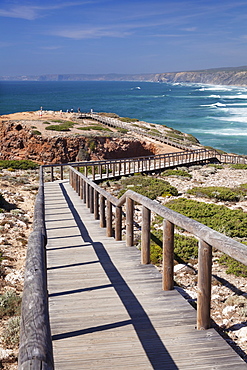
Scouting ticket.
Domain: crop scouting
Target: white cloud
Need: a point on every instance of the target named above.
(90, 33)
(32, 12)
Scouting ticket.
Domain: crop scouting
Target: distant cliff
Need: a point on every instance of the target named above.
(220, 76)
(228, 76)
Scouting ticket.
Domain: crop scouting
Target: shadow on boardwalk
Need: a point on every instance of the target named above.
(153, 346)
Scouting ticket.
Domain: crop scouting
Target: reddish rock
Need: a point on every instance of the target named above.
(17, 141)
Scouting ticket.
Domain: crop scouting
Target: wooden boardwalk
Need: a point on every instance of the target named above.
(108, 311)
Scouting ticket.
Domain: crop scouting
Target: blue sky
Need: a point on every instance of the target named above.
(121, 36)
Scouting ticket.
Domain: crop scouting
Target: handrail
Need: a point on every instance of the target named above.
(113, 122)
(89, 191)
(35, 349)
(125, 166)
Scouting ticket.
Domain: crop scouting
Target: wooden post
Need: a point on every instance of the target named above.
(129, 222)
(81, 187)
(93, 172)
(52, 174)
(84, 192)
(168, 255)
(108, 218)
(96, 205)
(85, 171)
(145, 238)
(204, 285)
(118, 223)
(61, 172)
(100, 171)
(88, 196)
(91, 199)
(102, 211)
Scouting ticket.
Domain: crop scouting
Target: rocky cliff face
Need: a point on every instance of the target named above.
(215, 77)
(18, 142)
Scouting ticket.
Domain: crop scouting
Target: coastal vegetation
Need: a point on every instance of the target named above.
(64, 126)
(220, 192)
(23, 164)
(148, 186)
(176, 172)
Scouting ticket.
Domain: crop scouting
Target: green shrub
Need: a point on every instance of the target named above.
(233, 266)
(127, 119)
(148, 186)
(23, 164)
(174, 135)
(233, 223)
(217, 192)
(176, 173)
(35, 132)
(10, 335)
(185, 247)
(95, 127)
(192, 138)
(239, 166)
(122, 130)
(10, 304)
(64, 126)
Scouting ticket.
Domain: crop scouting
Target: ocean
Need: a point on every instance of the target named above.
(216, 115)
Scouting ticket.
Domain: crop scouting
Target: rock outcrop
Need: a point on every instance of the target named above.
(17, 141)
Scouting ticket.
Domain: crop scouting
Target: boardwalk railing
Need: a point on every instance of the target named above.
(101, 204)
(114, 122)
(103, 169)
(35, 351)
(118, 167)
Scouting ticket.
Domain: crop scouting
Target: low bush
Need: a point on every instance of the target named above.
(181, 173)
(36, 132)
(192, 138)
(94, 127)
(128, 120)
(18, 164)
(122, 130)
(232, 223)
(185, 247)
(239, 166)
(233, 266)
(10, 304)
(148, 186)
(64, 126)
(10, 335)
(217, 192)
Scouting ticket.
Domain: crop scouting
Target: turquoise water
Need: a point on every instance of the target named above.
(216, 115)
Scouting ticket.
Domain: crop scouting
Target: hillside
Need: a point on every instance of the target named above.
(236, 76)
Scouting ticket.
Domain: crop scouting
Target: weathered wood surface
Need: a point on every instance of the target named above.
(108, 311)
